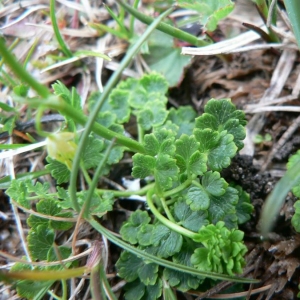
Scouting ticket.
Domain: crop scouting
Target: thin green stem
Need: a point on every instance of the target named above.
(165, 221)
(166, 209)
(293, 10)
(65, 289)
(38, 123)
(85, 174)
(101, 27)
(141, 192)
(54, 296)
(141, 133)
(108, 291)
(179, 188)
(20, 72)
(132, 18)
(164, 27)
(97, 292)
(119, 22)
(30, 52)
(162, 262)
(8, 80)
(93, 184)
(109, 86)
(196, 183)
(76, 115)
(60, 40)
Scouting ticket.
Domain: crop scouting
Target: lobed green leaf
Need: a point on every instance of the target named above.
(166, 171)
(18, 192)
(92, 152)
(221, 206)
(213, 183)
(129, 231)
(221, 115)
(192, 220)
(223, 250)
(197, 198)
(49, 207)
(137, 290)
(243, 208)
(181, 280)
(168, 241)
(188, 157)
(58, 170)
(118, 105)
(40, 241)
(165, 58)
(184, 117)
(210, 12)
(153, 114)
(130, 267)
(143, 165)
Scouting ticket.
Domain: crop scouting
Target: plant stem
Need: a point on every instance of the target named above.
(263, 10)
(164, 27)
(53, 295)
(165, 221)
(166, 209)
(30, 52)
(110, 84)
(108, 291)
(141, 133)
(293, 10)
(179, 188)
(65, 289)
(142, 191)
(60, 40)
(119, 22)
(66, 109)
(131, 22)
(85, 174)
(19, 71)
(94, 182)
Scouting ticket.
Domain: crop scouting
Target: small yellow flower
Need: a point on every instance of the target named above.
(61, 146)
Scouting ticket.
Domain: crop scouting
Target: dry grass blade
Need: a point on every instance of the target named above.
(223, 47)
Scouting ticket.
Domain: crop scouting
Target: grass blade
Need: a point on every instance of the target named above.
(276, 198)
(293, 10)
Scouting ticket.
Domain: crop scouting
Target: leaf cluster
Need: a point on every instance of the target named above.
(223, 250)
(144, 98)
(181, 156)
(184, 156)
(215, 139)
(161, 241)
(42, 234)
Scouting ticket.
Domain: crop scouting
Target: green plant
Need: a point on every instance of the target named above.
(277, 197)
(191, 207)
(293, 10)
(259, 139)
